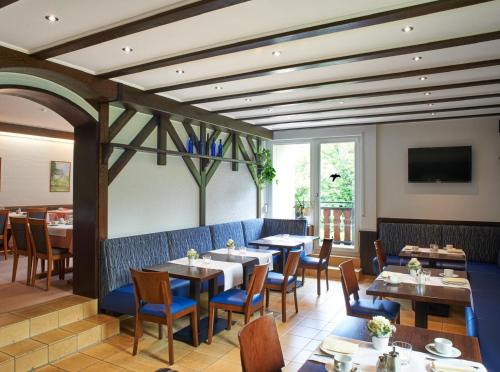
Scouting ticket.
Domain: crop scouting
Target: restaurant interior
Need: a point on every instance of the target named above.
(249, 185)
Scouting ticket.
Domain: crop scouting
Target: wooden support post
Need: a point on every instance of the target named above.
(234, 166)
(203, 147)
(161, 159)
(120, 122)
(259, 188)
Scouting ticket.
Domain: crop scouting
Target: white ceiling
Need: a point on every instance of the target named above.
(21, 111)
(23, 27)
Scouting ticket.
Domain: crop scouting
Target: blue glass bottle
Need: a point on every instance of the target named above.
(190, 146)
(213, 149)
(219, 149)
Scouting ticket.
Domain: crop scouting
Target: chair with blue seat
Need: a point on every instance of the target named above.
(4, 216)
(154, 303)
(364, 308)
(285, 283)
(38, 213)
(381, 257)
(240, 301)
(318, 263)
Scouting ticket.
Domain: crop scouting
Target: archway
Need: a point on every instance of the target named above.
(89, 182)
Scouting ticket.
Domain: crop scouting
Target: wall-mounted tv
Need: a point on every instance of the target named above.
(440, 164)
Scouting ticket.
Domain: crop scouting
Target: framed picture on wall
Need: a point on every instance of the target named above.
(60, 176)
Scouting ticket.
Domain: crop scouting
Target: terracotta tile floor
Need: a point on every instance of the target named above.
(299, 336)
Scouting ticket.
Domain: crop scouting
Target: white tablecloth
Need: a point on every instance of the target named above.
(277, 239)
(233, 272)
(263, 257)
(59, 230)
(432, 280)
(458, 252)
(367, 358)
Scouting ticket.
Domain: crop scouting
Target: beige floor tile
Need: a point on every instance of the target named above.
(135, 363)
(302, 356)
(314, 323)
(101, 351)
(88, 333)
(289, 352)
(293, 367)
(13, 328)
(61, 343)
(222, 366)
(197, 361)
(110, 326)
(215, 349)
(6, 363)
(312, 345)
(303, 331)
(75, 362)
(48, 368)
(28, 354)
(294, 341)
(103, 367)
(70, 314)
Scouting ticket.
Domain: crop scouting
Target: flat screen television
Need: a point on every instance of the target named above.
(440, 164)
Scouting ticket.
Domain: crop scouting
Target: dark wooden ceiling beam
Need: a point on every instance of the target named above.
(173, 15)
(318, 30)
(35, 131)
(393, 122)
(4, 3)
(383, 105)
(356, 80)
(363, 95)
(441, 44)
(381, 115)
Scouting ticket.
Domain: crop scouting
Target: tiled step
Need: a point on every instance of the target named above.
(27, 354)
(60, 343)
(87, 333)
(13, 328)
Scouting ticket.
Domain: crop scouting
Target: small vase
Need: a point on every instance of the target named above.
(230, 250)
(191, 261)
(413, 272)
(380, 343)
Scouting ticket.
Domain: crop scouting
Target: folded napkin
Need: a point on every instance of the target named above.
(447, 366)
(340, 346)
(455, 280)
(455, 250)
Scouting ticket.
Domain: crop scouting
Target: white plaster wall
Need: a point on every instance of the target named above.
(475, 201)
(25, 173)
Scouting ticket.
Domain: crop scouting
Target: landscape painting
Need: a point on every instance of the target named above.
(60, 176)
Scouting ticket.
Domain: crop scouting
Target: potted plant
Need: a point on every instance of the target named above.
(230, 245)
(300, 207)
(192, 255)
(265, 169)
(414, 266)
(381, 329)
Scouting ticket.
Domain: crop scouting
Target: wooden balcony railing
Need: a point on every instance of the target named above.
(337, 222)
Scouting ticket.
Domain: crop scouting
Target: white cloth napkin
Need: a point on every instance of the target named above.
(59, 230)
(263, 257)
(233, 272)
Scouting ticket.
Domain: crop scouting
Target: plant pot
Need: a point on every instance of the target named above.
(380, 343)
(191, 261)
(230, 250)
(413, 272)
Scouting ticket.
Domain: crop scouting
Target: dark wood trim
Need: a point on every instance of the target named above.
(161, 141)
(120, 122)
(4, 3)
(234, 151)
(128, 154)
(35, 131)
(252, 145)
(355, 80)
(203, 178)
(384, 105)
(392, 52)
(104, 134)
(409, 121)
(320, 120)
(307, 32)
(216, 163)
(179, 111)
(436, 222)
(48, 206)
(365, 95)
(367, 250)
(173, 15)
(251, 167)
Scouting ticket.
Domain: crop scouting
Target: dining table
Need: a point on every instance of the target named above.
(434, 291)
(352, 328)
(61, 213)
(433, 256)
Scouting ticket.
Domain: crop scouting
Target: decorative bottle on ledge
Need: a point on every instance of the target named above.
(219, 149)
(213, 148)
(190, 146)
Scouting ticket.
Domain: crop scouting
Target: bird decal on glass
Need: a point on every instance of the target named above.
(335, 176)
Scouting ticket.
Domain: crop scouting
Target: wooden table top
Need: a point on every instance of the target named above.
(355, 328)
(421, 293)
(185, 271)
(280, 241)
(437, 256)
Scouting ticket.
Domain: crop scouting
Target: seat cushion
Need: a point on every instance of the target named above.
(179, 287)
(274, 278)
(389, 309)
(470, 322)
(178, 304)
(179, 241)
(120, 300)
(489, 339)
(234, 296)
(222, 232)
(310, 261)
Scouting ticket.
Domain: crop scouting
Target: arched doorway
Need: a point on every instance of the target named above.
(90, 178)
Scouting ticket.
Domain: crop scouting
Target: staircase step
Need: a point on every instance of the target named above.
(27, 354)
(87, 333)
(6, 363)
(60, 343)
(42, 318)
(110, 326)
(13, 328)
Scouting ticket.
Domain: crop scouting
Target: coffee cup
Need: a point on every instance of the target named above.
(448, 272)
(394, 279)
(443, 345)
(61, 220)
(449, 246)
(342, 363)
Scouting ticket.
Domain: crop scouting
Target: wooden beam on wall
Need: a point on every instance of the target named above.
(120, 122)
(128, 154)
(35, 131)
(234, 166)
(161, 141)
(192, 134)
(213, 168)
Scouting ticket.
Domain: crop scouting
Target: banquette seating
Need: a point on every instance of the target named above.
(119, 255)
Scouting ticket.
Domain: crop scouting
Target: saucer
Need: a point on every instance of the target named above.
(455, 353)
(448, 276)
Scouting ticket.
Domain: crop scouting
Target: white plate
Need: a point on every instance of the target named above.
(456, 284)
(330, 352)
(447, 276)
(455, 353)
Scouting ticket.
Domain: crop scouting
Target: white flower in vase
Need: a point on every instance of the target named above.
(381, 329)
(230, 245)
(192, 255)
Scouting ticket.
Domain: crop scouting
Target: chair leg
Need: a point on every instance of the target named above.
(327, 284)
(30, 281)
(261, 310)
(283, 306)
(33, 273)
(49, 273)
(247, 317)
(303, 275)
(295, 299)
(318, 279)
(229, 319)
(194, 326)
(5, 245)
(160, 331)
(267, 297)
(137, 334)
(210, 323)
(42, 264)
(170, 333)
(14, 267)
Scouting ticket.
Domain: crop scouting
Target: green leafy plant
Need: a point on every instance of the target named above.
(379, 326)
(265, 170)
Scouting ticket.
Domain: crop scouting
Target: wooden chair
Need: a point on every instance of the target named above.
(42, 249)
(318, 263)
(154, 303)
(364, 308)
(239, 300)
(381, 257)
(260, 347)
(4, 241)
(285, 283)
(21, 245)
(38, 213)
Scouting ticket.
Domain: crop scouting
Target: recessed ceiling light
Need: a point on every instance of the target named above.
(276, 53)
(179, 71)
(43, 109)
(422, 78)
(433, 113)
(269, 109)
(430, 104)
(218, 87)
(248, 100)
(427, 93)
(407, 29)
(127, 49)
(51, 18)
(341, 102)
(417, 58)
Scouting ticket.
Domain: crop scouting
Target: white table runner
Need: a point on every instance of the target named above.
(277, 239)
(263, 257)
(233, 272)
(59, 230)
(432, 280)
(458, 252)
(367, 358)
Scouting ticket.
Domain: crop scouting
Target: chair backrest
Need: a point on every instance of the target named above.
(20, 233)
(151, 287)
(349, 283)
(4, 216)
(38, 213)
(260, 347)
(257, 281)
(292, 262)
(379, 251)
(39, 236)
(326, 250)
